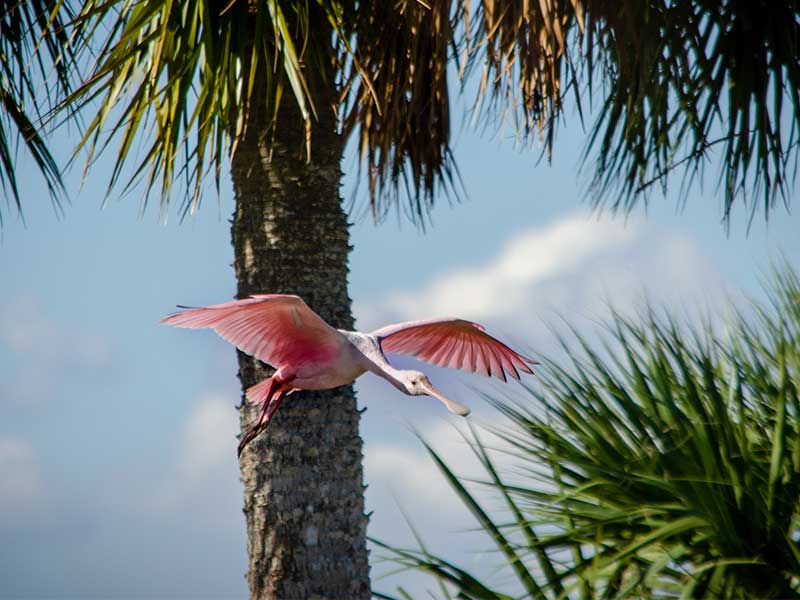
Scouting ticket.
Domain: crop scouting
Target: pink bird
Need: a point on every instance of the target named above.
(309, 354)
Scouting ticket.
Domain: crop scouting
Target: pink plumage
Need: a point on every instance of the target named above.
(275, 328)
(454, 343)
(308, 354)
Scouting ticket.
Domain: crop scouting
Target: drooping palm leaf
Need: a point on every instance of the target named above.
(395, 97)
(662, 462)
(184, 76)
(677, 84)
(36, 63)
(682, 83)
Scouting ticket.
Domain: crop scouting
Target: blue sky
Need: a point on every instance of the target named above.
(117, 449)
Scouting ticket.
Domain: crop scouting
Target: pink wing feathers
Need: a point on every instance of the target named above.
(277, 329)
(453, 343)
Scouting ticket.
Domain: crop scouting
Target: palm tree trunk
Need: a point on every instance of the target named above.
(303, 482)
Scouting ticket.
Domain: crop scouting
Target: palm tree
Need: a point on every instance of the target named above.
(659, 462)
(205, 74)
(278, 86)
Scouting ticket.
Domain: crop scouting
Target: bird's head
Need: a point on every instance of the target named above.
(418, 384)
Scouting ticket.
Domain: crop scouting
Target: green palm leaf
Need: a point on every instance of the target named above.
(665, 465)
(184, 75)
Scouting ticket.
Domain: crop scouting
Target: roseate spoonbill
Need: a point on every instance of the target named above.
(282, 331)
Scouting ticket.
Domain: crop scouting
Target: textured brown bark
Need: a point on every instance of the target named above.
(303, 482)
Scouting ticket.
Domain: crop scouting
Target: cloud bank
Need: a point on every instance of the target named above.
(576, 266)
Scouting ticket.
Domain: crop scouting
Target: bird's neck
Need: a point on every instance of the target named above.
(392, 375)
(397, 377)
(374, 359)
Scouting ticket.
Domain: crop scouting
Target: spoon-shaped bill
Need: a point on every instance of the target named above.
(453, 406)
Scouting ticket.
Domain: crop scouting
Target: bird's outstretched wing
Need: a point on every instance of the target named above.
(277, 329)
(453, 343)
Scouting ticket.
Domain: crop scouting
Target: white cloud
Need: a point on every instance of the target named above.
(403, 480)
(27, 385)
(408, 473)
(19, 474)
(574, 266)
(411, 474)
(23, 327)
(206, 454)
(527, 259)
(38, 352)
(209, 438)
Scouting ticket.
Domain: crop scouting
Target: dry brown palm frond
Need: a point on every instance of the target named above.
(395, 59)
(520, 49)
(676, 81)
(395, 95)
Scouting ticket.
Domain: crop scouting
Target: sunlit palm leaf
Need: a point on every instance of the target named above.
(184, 76)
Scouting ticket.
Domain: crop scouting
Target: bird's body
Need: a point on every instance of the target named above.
(340, 368)
(308, 354)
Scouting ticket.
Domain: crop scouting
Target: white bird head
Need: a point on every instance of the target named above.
(418, 384)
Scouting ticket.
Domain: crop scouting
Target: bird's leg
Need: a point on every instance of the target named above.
(267, 410)
(273, 406)
(262, 392)
(276, 390)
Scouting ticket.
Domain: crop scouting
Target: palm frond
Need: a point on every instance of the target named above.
(682, 83)
(395, 98)
(36, 64)
(520, 50)
(675, 84)
(189, 78)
